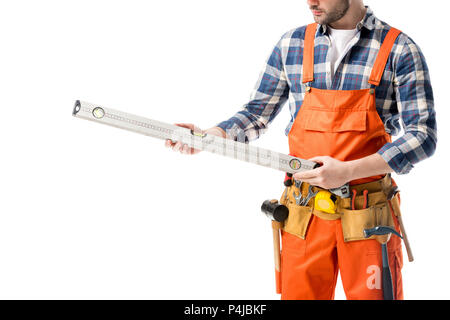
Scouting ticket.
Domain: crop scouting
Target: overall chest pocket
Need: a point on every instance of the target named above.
(340, 120)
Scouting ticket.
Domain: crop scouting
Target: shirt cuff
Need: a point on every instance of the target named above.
(395, 158)
(233, 131)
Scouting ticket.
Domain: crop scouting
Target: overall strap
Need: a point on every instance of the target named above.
(382, 57)
(308, 53)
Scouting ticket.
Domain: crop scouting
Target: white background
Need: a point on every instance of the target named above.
(93, 212)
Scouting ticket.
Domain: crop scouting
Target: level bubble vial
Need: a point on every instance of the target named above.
(98, 112)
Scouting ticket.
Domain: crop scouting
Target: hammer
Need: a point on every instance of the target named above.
(278, 213)
(382, 235)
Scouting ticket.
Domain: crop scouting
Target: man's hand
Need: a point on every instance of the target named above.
(184, 148)
(334, 173)
(331, 174)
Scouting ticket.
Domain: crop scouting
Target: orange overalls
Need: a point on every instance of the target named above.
(345, 125)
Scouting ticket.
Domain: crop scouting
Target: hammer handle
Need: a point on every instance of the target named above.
(276, 226)
(405, 239)
(276, 244)
(388, 290)
(396, 209)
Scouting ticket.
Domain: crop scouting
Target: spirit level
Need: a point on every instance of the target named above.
(205, 142)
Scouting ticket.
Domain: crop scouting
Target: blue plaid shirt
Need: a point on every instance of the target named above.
(404, 98)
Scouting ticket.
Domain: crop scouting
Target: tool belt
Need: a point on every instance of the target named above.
(365, 210)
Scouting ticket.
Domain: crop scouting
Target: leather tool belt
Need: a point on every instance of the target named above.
(357, 213)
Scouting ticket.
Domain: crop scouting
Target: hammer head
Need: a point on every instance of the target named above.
(392, 192)
(274, 210)
(380, 231)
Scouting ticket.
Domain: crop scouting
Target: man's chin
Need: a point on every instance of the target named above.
(319, 20)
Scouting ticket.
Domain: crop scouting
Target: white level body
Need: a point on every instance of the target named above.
(205, 142)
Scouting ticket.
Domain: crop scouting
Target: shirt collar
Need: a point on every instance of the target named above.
(367, 22)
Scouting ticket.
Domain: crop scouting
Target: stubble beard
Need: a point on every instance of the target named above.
(334, 14)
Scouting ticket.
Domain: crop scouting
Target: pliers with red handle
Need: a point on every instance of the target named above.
(366, 198)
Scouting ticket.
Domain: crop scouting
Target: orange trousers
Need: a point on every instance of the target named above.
(309, 268)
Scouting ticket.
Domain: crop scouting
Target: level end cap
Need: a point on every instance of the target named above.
(76, 107)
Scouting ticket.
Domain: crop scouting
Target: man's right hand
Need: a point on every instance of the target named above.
(184, 148)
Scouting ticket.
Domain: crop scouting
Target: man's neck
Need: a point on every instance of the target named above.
(354, 15)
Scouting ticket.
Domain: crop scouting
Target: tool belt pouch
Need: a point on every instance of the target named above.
(355, 221)
(298, 219)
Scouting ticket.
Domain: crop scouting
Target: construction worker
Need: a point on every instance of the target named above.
(352, 82)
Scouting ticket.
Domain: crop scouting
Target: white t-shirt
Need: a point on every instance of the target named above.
(341, 42)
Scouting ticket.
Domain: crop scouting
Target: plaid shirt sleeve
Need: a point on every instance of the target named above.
(414, 97)
(269, 95)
